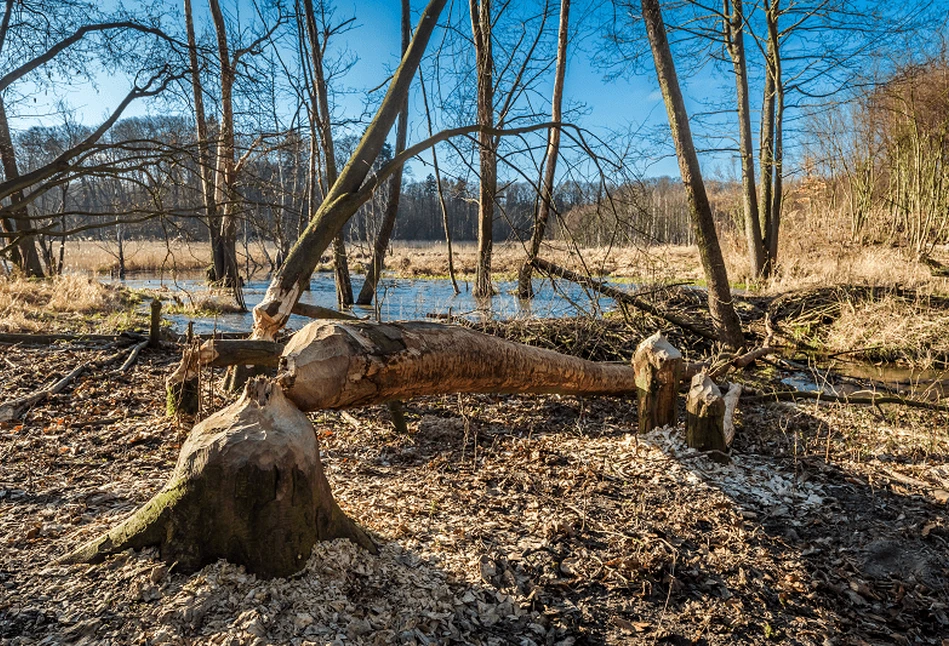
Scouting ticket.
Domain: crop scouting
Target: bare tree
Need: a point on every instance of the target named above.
(374, 271)
(481, 28)
(720, 303)
(524, 287)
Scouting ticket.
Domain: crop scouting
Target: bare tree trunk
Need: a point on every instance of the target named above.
(439, 190)
(720, 303)
(524, 287)
(344, 197)
(344, 287)
(226, 254)
(26, 257)
(773, 222)
(205, 165)
(481, 29)
(733, 30)
(395, 186)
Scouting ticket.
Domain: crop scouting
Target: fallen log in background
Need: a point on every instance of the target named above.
(623, 297)
(331, 365)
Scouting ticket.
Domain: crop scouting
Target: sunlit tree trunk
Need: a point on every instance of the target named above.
(344, 196)
(722, 310)
(205, 165)
(524, 288)
(225, 255)
(773, 110)
(481, 29)
(395, 186)
(733, 29)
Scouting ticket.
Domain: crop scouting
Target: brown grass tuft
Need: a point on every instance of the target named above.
(64, 302)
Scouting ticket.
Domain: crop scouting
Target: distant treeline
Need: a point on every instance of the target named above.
(147, 185)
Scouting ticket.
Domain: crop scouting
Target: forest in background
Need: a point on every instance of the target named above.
(250, 115)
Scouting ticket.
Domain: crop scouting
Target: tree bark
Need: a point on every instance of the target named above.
(726, 321)
(205, 165)
(18, 226)
(524, 287)
(249, 487)
(481, 29)
(705, 415)
(225, 254)
(381, 245)
(332, 365)
(343, 197)
(733, 31)
(772, 107)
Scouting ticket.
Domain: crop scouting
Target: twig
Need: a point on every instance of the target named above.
(874, 400)
(133, 355)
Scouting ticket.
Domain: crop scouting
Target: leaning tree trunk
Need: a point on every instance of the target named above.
(344, 197)
(249, 487)
(374, 271)
(18, 225)
(720, 305)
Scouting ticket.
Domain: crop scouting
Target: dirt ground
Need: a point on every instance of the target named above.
(501, 520)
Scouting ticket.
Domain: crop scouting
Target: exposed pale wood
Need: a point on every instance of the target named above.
(133, 356)
(658, 367)
(332, 365)
(705, 415)
(181, 387)
(249, 487)
(731, 404)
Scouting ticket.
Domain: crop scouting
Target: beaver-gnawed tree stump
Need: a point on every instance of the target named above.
(249, 487)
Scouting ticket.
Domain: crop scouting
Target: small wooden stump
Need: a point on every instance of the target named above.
(154, 330)
(658, 367)
(705, 416)
(182, 392)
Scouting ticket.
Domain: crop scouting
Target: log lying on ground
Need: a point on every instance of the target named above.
(249, 487)
(658, 367)
(619, 295)
(219, 353)
(333, 365)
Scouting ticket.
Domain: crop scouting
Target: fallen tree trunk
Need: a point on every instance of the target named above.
(332, 365)
(219, 353)
(619, 295)
(249, 487)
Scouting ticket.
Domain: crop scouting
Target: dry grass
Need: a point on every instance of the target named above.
(65, 302)
(892, 328)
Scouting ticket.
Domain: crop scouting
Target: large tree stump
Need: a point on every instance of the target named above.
(705, 415)
(249, 487)
(658, 367)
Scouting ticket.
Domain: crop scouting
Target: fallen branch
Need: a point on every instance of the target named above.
(869, 399)
(220, 353)
(133, 355)
(318, 312)
(619, 295)
(15, 408)
(24, 338)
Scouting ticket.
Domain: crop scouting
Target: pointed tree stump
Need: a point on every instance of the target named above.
(249, 487)
(705, 415)
(658, 367)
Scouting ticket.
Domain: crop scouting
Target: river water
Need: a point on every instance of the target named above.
(399, 299)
